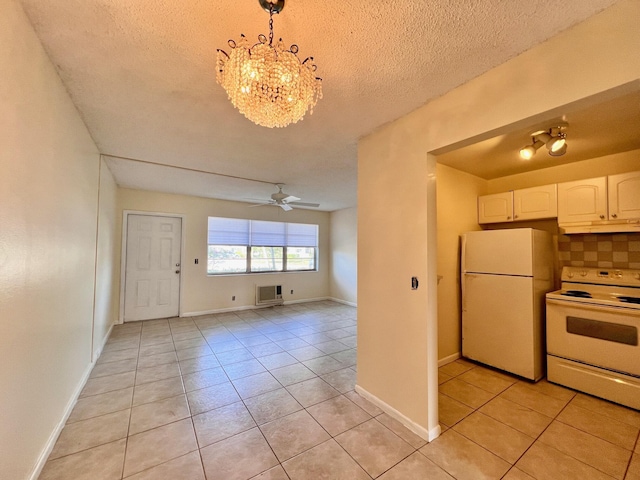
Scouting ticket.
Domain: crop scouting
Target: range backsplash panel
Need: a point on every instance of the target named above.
(600, 250)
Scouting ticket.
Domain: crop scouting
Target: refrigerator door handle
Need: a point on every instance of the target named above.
(463, 282)
(463, 253)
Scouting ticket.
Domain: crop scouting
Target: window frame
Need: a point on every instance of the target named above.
(248, 269)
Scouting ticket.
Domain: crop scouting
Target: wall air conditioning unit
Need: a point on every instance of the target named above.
(269, 295)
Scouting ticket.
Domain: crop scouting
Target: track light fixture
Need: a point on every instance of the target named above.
(554, 139)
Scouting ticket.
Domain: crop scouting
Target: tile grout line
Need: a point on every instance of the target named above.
(135, 376)
(633, 453)
(181, 375)
(555, 419)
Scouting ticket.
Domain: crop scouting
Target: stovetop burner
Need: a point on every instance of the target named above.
(604, 288)
(577, 293)
(629, 299)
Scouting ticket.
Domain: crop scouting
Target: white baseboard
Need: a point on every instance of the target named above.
(53, 438)
(306, 300)
(98, 352)
(344, 302)
(220, 310)
(449, 359)
(428, 435)
(250, 307)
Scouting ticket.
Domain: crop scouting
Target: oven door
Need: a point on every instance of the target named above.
(606, 337)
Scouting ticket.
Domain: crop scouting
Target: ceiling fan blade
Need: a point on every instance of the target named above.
(305, 204)
(290, 199)
(285, 207)
(259, 205)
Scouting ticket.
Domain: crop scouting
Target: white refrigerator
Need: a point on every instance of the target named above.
(505, 275)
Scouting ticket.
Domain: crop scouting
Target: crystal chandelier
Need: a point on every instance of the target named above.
(266, 83)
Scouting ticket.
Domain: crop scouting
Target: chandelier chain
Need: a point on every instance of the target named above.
(271, 25)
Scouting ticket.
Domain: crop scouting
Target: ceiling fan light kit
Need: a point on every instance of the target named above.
(554, 139)
(267, 83)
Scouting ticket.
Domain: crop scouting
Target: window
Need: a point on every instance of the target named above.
(252, 246)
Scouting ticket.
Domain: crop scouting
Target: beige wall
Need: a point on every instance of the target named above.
(457, 213)
(392, 248)
(107, 270)
(202, 293)
(344, 255)
(593, 57)
(48, 215)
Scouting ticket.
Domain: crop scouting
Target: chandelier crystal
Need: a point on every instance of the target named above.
(267, 83)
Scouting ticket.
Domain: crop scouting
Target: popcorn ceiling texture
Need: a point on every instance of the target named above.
(600, 250)
(142, 75)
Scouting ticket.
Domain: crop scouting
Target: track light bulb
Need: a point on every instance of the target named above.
(558, 152)
(555, 144)
(527, 153)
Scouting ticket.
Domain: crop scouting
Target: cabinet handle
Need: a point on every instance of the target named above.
(614, 215)
(508, 217)
(602, 217)
(515, 216)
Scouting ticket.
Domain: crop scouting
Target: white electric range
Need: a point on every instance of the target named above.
(592, 333)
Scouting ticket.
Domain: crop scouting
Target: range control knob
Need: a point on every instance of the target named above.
(637, 276)
(583, 273)
(570, 274)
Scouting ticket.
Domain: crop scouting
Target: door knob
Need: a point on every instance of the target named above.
(177, 271)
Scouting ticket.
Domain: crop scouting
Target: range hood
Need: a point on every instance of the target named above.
(616, 226)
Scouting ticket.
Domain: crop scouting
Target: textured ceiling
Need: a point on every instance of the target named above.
(142, 75)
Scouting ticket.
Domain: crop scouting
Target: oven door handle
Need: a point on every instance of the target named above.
(594, 307)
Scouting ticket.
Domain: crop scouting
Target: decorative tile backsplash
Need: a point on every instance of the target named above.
(600, 250)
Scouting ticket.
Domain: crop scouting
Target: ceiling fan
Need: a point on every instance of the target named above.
(285, 201)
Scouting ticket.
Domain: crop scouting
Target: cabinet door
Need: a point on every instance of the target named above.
(534, 203)
(582, 201)
(624, 196)
(495, 208)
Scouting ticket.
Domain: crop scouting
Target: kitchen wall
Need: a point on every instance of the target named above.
(49, 214)
(202, 293)
(397, 361)
(344, 255)
(600, 250)
(457, 213)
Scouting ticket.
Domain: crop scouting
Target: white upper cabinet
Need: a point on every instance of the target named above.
(519, 205)
(495, 208)
(535, 203)
(582, 201)
(624, 196)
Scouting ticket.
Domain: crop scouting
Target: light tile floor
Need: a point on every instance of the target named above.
(268, 394)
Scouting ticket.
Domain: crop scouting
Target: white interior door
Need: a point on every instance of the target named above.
(152, 271)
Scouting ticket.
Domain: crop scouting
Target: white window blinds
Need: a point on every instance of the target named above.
(302, 235)
(268, 234)
(228, 231)
(236, 231)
